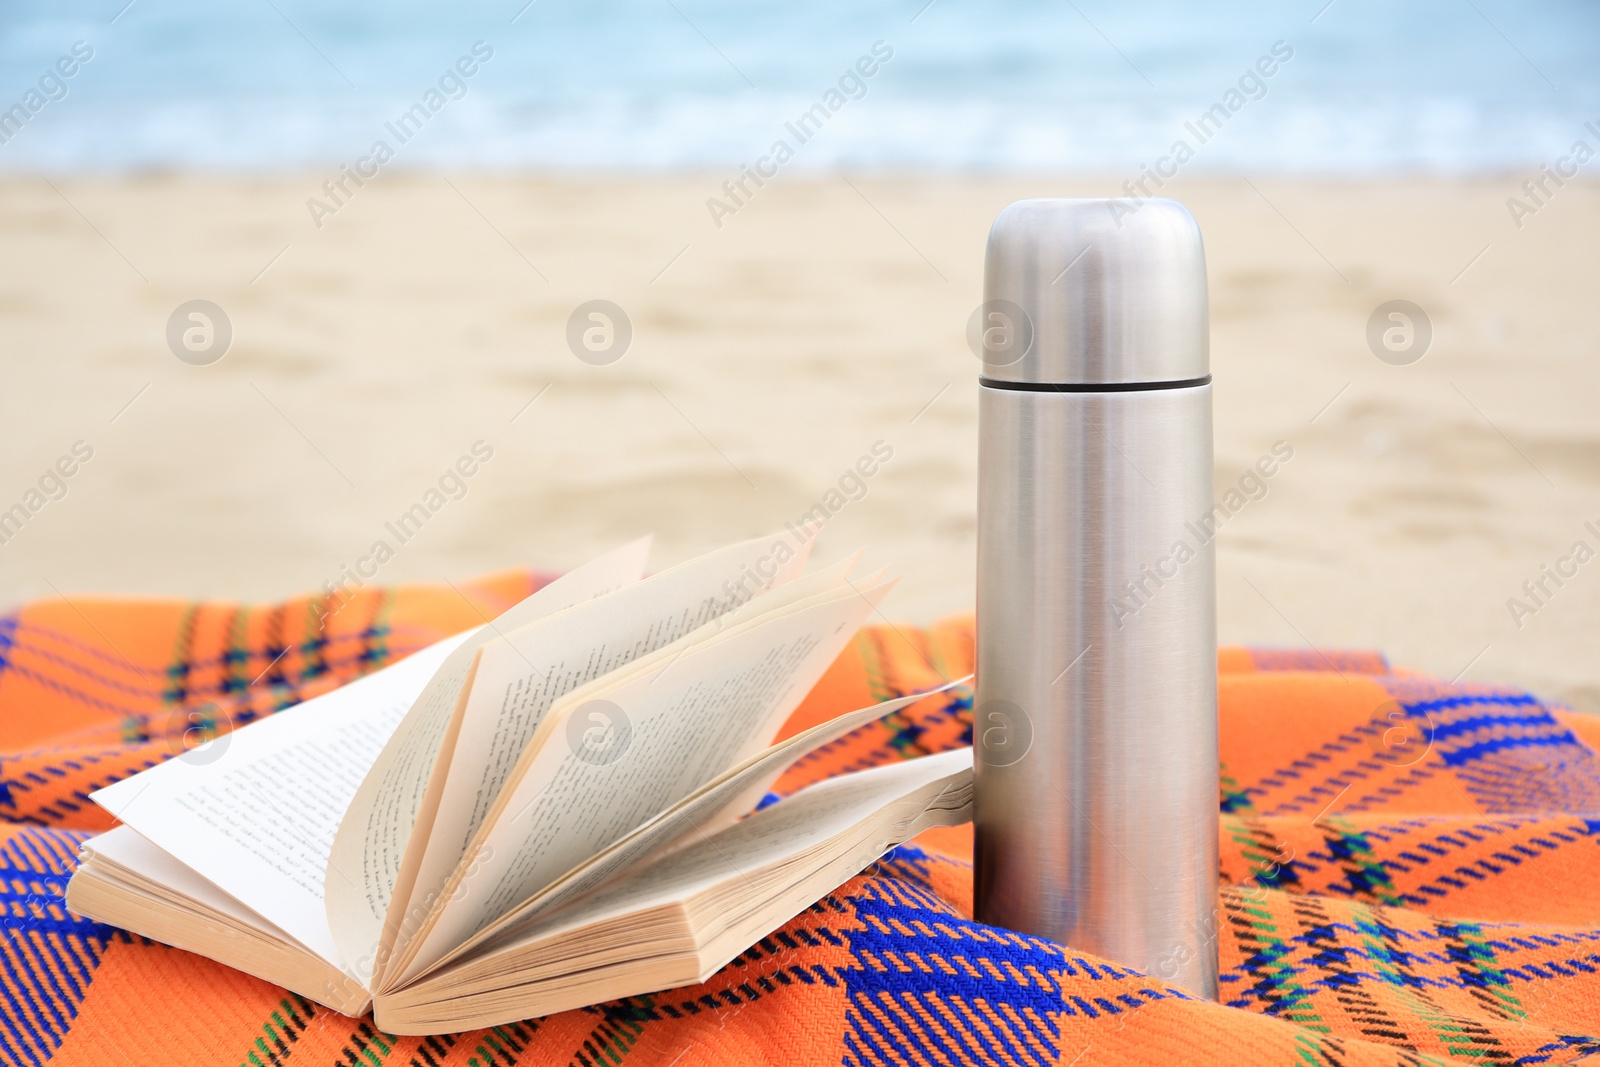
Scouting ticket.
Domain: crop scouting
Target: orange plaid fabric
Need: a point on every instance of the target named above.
(1411, 871)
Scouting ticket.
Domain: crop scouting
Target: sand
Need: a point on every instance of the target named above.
(823, 319)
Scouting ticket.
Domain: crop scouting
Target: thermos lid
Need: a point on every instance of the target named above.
(1094, 291)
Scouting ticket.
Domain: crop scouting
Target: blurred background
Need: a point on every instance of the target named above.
(272, 268)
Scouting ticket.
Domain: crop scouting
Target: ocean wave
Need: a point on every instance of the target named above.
(638, 85)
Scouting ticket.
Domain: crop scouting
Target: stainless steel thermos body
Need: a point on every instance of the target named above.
(1095, 718)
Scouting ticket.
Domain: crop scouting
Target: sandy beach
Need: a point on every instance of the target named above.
(822, 321)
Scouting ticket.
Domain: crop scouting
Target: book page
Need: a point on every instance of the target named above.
(360, 866)
(126, 848)
(521, 672)
(403, 933)
(769, 837)
(827, 584)
(708, 810)
(607, 764)
(786, 829)
(126, 881)
(678, 920)
(255, 811)
(407, 924)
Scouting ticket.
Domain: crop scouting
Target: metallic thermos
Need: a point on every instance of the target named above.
(1096, 709)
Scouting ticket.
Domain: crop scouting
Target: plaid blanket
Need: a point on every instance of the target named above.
(1411, 871)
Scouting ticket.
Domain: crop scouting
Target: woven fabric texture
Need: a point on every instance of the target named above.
(1411, 870)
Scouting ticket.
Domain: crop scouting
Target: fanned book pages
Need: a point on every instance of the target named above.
(552, 810)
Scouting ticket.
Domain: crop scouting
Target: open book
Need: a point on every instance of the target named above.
(546, 812)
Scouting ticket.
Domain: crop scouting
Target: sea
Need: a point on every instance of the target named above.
(1316, 87)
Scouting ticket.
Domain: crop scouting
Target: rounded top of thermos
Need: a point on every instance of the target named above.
(1094, 291)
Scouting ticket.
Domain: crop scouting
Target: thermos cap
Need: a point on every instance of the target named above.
(1093, 291)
